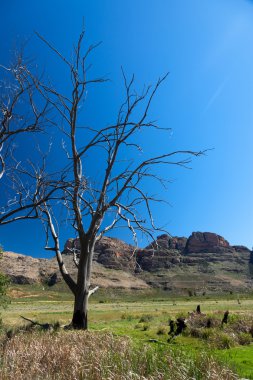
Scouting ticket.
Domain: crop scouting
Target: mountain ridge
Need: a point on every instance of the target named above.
(203, 263)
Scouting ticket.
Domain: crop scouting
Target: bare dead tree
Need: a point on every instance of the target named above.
(93, 208)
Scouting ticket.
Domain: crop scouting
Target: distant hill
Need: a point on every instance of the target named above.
(203, 263)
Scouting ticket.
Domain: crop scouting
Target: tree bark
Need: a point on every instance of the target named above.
(80, 315)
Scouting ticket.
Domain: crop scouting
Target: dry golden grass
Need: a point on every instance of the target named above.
(78, 355)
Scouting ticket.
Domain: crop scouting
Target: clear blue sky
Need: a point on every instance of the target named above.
(207, 46)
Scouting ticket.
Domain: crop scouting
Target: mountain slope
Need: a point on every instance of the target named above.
(203, 263)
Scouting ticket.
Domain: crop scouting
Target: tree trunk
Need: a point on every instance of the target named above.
(80, 315)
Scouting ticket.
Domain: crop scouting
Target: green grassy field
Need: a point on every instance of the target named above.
(140, 316)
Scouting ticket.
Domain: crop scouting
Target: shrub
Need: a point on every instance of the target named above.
(146, 318)
(240, 324)
(207, 333)
(238, 330)
(195, 332)
(244, 339)
(128, 317)
(142, 326)
(223, 340)
(202, 321)
(145, 326)
(161, 330)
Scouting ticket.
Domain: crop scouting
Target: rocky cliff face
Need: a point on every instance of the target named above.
(206, 242)
(110, 252)
(203, 262)
(168, 242)
(168, 251)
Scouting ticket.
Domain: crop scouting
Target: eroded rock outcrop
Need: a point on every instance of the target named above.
(111, 252)
(164, 253)
(206, 242)
(169, 242)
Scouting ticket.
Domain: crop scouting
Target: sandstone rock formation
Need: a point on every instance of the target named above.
(164, 253)
(110, 252)
(169, 242)
(205, 262)
(206, 242)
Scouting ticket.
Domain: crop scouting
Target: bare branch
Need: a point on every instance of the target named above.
(92, 291)
(54, 49)
(68, 279)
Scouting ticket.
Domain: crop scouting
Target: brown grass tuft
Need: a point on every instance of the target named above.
(78, 355)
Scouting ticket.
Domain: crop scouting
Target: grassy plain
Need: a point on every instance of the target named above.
(142, 316)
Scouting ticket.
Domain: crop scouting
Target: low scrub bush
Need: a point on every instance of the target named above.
(244, 339)
(145, 327)
(128, 317)
(194, 332)
(223, 340)
(207, 333)
(240, 324)
(162, 330)
(202, 333)
(238, 330)
(146, 318)
(202, 321)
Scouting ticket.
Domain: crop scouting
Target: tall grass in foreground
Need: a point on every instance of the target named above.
(77, 355)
